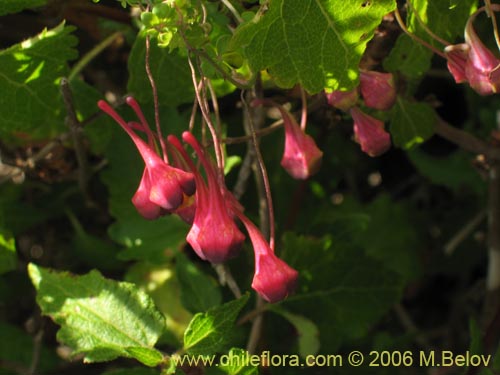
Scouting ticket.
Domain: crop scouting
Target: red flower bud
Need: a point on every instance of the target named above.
(214, 235)
(273, 279)
(301, 158)
(377, 89)
(369, 133)
(161, 184)
(343, 100)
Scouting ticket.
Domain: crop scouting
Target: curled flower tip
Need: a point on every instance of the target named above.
(456, 56)
(214, 235)
(377, 89)
(369, 133)
(343, 100)
(273, 279)
(141, 201)
(301, 157)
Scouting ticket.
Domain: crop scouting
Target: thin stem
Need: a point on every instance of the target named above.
(226, 278)
(215, 105)
(414, 37)
(424, 26)
(261, 132)
(491, 13)
(155, 100)
(464, 232)
(233, 10)
(89, 56)
(75, 131)
(263, 171)
(206, 115)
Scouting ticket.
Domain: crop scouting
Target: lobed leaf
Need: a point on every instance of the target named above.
(30, 98)
(315, 43)
(101, 318)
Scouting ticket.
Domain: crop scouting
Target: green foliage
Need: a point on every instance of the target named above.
(209, 333)
(445, 19)
(14, 6)
(411, 123)
(199, 292)
(30, 98)
(315, 43)
(100, 318)
(408, 58)
(170, 70)
(133, 371)
(337, 277)
(237, 364)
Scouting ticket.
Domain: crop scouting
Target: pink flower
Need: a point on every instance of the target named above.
(214, 235)
(377, 89)
(343, 100)
(482, 68)
(301, 158)
(369, 133)
(161, 184)
(273, 279)
(457, 56)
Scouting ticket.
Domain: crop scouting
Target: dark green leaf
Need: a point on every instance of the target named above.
(444, 18)
(29, 75)
(408, 57)
(336, 277)
(317, 43)
(209, 332)
(14, 6)
(411, 123)
(171, 73)
(199, 292)
(101, 318)
(16, 347)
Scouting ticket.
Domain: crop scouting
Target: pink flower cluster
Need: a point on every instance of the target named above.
(378, 91)
(208, 206)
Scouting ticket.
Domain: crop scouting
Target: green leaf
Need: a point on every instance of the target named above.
(408, 57)
(14, 6)
(199, 292)
(445, 19)
(336, 277)
(411, 123)
(29, 75)
(148, 356)
(208, 332)
(236, 364)
(308, 332)
(8, 258)
(170, 70)
(101, 318)
(317, 43)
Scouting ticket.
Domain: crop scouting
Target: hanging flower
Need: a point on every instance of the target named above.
(273, 279)
(161, 184)
(214, 235)
(377, 89)
(369, 133)
(301, 157)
